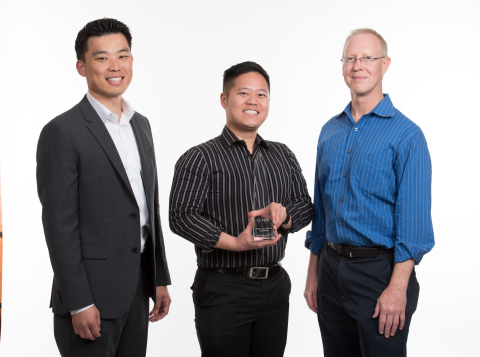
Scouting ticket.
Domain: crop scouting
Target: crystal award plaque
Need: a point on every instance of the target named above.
(262, 227)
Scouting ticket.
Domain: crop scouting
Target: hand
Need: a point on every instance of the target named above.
(245, 240)
(391, 309)
(86, 324)
(274, 212)
(310, 293)
(160, 310)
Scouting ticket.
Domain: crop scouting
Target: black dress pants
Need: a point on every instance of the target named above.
(240, 316)
(122, 337)
(348, 289)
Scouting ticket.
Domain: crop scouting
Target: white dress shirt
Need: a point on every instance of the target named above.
(124, 140)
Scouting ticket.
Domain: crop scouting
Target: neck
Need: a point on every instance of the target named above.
(111, 103)
(246, 135)
(363, 104)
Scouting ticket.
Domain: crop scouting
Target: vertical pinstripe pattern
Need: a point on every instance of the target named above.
(373, 184)
(212, 192)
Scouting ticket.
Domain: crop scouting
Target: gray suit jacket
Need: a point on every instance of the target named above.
(90, 216)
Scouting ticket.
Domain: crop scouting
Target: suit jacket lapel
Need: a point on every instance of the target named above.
(98, 129)
(143, 148)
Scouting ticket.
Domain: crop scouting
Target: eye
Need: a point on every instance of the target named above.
(101, 58)
(243, 93)
(350, 58)
(368, 58)
(262, 95)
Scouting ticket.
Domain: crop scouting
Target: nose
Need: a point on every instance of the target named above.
(252, 99)
(358, 64)
(114, 65)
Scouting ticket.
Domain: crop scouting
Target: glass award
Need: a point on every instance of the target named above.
(262, 227)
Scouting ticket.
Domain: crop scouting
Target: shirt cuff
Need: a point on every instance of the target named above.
(211, 240)
(405, 251)
(315, 242)
(74, 312)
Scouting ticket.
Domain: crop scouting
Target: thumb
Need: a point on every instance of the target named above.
(250, 222)
(377, 311)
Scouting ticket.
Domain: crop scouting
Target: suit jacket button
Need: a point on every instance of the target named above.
(133, 215)
(135, 250)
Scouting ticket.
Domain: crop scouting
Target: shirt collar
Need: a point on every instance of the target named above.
(228, 138)
(104, 113)
(384, 109)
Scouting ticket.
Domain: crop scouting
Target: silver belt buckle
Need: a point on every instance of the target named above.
(254, 272)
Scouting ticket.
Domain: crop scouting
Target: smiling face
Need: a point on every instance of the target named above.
(247, 102)
(108, 66)
(365, 78)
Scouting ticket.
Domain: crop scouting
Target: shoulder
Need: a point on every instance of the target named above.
(142, 120)
(405, 128)
(201, 153)
(65, 123)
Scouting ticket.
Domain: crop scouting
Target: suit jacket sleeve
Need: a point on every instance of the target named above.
(57, 184)
(162, 274)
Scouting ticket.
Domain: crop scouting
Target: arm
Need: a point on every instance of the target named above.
(316, 238)
(414, 231)
(188, 195)
(162, 274)
(300, 204)
(57, 184)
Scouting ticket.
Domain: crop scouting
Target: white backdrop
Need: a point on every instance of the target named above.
(181, 49)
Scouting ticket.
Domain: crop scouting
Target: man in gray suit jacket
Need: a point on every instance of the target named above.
(97, 182)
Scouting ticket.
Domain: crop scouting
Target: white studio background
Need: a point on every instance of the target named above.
(181, 49)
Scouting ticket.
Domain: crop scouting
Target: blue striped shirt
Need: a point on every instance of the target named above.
(373, 184)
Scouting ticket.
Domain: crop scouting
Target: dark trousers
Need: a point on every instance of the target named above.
(348, 289)
(122, 337)
(240, 316)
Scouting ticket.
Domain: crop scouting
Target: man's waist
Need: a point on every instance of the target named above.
(260, 272)
(352, 251)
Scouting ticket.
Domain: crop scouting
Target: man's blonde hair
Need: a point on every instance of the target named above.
(370, 31)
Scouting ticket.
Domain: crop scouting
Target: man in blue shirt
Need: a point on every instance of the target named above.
(372, 219)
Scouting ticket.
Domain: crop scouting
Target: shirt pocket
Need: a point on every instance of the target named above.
(374, 174)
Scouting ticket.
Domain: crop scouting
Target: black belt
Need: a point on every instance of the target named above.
(254, 273)
(358, 252)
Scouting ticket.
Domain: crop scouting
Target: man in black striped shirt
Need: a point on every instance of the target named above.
(240, 292)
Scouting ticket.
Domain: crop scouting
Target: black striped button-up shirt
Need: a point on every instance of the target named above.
(212, 192)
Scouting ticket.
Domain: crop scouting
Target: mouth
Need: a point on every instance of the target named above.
(115, 80)
(250, 112)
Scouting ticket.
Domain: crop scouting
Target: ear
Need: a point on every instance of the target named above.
(80, 68)
(223, 100)
(386, 64)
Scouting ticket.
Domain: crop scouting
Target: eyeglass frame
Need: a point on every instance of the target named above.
(356, 59)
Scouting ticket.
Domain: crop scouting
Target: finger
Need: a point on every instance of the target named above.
(315, 300)
(381, 323)
(87, 334)
(95, 331)
(402, 321)
(99, 321)
(377, 311)
(156, 308)
(311, 303)
(388, 325)
(396, 320)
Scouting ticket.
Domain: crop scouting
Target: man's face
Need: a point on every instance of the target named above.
(247, 103)
(108, 65)
(364, 78)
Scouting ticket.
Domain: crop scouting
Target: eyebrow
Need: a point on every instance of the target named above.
(243, 88)
(105, 52)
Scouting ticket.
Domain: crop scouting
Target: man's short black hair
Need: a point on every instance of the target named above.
(99, 27)
(245, 67)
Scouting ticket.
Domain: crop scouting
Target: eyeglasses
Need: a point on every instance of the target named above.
(366, 59)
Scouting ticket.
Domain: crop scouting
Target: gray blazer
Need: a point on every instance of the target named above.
(90, 216)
